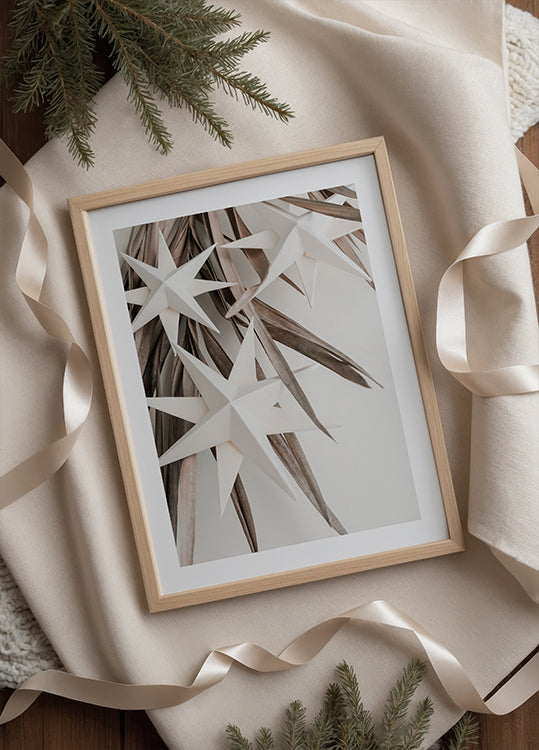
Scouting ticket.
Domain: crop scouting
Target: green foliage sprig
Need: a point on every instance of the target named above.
(164, 49)
(344, 723)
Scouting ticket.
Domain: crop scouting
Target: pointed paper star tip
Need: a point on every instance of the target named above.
(240, 303)
(179, 351)
(212, 327)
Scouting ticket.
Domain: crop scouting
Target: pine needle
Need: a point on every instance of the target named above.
(344, 724)
(465, 733)
(295, 725)
(264, 740)
(236, 738)
(163, 50)
(398, 702)
(418, 726)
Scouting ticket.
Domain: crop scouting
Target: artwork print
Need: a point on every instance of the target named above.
(267, 379)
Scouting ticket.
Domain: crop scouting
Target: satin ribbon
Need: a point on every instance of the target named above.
(215, 668)
(77, 381)
(491, 240)
(77, 390)
(77, 384)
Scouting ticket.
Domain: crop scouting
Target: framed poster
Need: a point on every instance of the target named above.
(266, 374)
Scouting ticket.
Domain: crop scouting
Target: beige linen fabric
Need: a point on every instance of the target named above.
(428, 76)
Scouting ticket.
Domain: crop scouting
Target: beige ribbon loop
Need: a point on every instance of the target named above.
(77, 391)
(450, 672)
(491, 240)
(77, 384)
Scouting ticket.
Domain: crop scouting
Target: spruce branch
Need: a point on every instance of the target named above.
(69, 100)
(362, 722)
(200, 109)
(264, 739)
(418, 726)
(295, 726)
(164, 50)
(236, 738)
(333, 701)
(464, 735)
(344, 724)
(252, 90)
(398, 702)
(345, 734)
(126, 62)
(350, 687)
(320, 734)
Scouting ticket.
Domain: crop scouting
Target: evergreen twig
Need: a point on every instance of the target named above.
(164, 49)
(295, 727)
(418, 726)
(398, 703)
(464, 735)
(344, 724)
(237, 740)
(264, 739)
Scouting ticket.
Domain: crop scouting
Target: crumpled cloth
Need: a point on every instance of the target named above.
(430, 78)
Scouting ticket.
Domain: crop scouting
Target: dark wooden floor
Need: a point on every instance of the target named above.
(58, 724)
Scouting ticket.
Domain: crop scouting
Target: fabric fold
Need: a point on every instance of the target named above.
(216, 666)
(434, 87)
(77, 381)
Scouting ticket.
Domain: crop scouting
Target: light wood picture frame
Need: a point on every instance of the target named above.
(211, 339)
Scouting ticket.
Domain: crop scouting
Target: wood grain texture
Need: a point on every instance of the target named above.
(518, 730)
(67, 721)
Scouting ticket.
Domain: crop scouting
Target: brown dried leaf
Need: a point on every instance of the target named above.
(321, 207)
(216, 352)
(243, 509)
(344, 244)
(360, 234)
(134, 244)
(176, 243)
(285, 373)
(187, 492)
(343, 190)
(151, 244)
(300, 470)
(291, 333)
(146, 340)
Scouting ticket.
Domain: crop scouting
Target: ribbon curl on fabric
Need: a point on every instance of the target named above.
(77, 393)
(450, 672)
(491, 240)
(77, 382)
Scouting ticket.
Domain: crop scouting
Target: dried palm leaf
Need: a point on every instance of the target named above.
(344, 244)
(186, 237)
(287, 331)
(322, 207)
(243, 509)
(298, 467)
(342, 190)
(187, 489)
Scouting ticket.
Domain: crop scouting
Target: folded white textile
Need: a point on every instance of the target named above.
(428, 77)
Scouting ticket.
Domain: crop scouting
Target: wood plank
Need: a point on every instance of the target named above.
(139, 733)
(26, 732)
(518, 730)
(78, 726)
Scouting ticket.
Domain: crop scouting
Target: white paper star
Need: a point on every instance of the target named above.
(234, 416)
(301, 236)
(170, 291)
